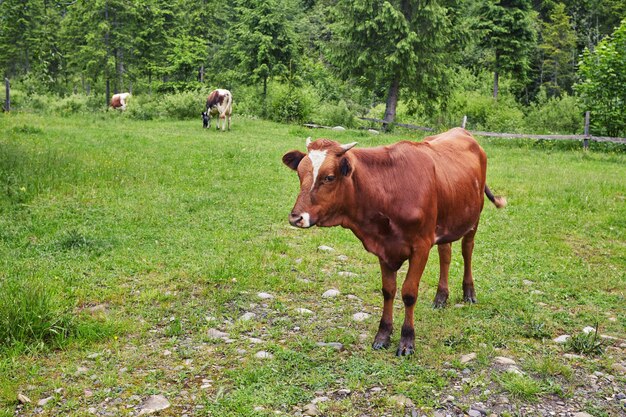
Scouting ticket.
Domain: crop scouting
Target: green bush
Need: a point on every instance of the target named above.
(186, 105)
(143, 108)
(553, 115)
(485, 113)
(38, 102)
(290, 104)
(73, 104)
(330, 114)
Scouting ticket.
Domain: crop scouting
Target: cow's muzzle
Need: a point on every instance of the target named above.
(300, 220)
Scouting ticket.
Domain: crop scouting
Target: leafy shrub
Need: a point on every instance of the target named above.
(291, 104)
(69, 105)
(485, 113)
(38, 102)
(330, 114)
(143, 108)
(248, 101)
(187, 105)
(554, 115)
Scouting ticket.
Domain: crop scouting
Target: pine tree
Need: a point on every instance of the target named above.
(262, 43)
(507, 30)
(395, 44)
(559, 49)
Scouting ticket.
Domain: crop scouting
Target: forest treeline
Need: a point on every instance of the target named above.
(500, 61)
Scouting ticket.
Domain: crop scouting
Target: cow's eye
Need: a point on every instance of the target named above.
(329, 178)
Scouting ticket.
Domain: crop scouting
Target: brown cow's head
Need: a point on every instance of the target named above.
(324, 182)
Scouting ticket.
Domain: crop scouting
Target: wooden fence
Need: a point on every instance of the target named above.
(586, 137)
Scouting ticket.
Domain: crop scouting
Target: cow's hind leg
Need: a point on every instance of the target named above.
(417, 262)
(469, 294)
(383, 337)
(445, 255)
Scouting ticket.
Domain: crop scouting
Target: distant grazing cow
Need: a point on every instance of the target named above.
(399, 200)
(118, 101)
(219, 102)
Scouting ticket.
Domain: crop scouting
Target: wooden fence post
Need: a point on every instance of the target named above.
(464, 121)
(586, 139)
(7, 100)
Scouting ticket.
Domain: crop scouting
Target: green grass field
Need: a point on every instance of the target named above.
(123, 242)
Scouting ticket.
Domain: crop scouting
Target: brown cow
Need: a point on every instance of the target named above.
(219, 102)
(399, 200)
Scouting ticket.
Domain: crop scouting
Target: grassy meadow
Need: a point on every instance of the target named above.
(123, 242)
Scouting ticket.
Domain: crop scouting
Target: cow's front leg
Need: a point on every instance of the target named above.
(383, 337)
(417, 262)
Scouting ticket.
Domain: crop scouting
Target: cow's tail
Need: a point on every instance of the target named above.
(497, 200)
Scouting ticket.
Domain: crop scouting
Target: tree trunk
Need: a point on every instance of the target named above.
(7, 100)
(392, 102)
(495, 85)
(264, 96)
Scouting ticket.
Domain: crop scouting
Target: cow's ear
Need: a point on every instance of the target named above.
(292, 159)
(344, 167)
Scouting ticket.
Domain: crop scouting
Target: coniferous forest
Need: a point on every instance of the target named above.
(510, 65)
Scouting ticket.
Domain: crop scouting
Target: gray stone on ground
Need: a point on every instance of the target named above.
(23, 398)
(342, 258)
(582, 414)
(589, 329)
(340, 128)
(347, 274)
(401, 400)
(501, 360)
(360, 316)
(44, 401)
(373, 131)
(619, 368)
(334, 345)
(331, 293)
(468, 358)
(562, 339)
(247, 316)
(303, 311)
(320, 399)
(265, 296)
(310, 410)
(153, 404)
(216, 334)
(263, 355)
(527, 282)
(325, 248)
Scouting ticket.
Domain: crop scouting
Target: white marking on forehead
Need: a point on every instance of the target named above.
(317, 159)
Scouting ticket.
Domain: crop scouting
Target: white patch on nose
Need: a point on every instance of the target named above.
(305, 222)
(317, 159)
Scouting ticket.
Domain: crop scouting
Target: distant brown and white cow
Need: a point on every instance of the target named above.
(219, 102)
(118, 101)
(399, 200)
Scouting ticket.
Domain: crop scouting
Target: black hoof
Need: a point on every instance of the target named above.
(470, 299)
(377, 345)
(405, 350)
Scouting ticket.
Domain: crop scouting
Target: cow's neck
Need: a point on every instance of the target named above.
(372, 223)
